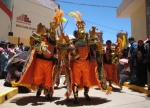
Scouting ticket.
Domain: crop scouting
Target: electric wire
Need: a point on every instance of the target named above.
(85, 4)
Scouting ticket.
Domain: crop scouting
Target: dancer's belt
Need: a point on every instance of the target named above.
(40, 56)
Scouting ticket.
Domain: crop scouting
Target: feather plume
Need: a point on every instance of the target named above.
(124, 41)
(75, 15)
(58, 17)
(79, 14)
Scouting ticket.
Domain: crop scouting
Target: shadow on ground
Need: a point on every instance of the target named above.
(114, 89)
(57, 88)
(83, 102)
(22, 101)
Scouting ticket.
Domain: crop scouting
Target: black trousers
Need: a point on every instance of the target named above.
(141, 73)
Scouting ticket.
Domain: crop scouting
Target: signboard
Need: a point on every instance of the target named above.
(148, 17)
(24, 19)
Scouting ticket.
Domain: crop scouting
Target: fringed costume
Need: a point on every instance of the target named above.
(111, 59)
(84, 74)
(40, 66)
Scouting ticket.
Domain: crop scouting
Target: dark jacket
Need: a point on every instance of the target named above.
(140, 54)
(147, 48)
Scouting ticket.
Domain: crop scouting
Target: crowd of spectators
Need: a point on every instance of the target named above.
(12, 59)
(135, 62)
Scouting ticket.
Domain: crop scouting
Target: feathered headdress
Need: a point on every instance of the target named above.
(79, 23)
(77, 15)
(58, 17)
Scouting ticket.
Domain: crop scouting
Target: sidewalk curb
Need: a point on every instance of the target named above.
(137, 88)
(8, 94)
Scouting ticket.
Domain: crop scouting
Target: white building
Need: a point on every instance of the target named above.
(136, 11)
(21, 17)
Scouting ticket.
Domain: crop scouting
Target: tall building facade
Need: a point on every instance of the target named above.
(136, 11)
(19, 18)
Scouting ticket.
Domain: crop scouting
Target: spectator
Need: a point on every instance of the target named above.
(147, 47)
(141, 64)
(132, 60)
(20, 48)
(125, 73)
(12, 50)
(14, 74)
(3, 62)
(124, 55)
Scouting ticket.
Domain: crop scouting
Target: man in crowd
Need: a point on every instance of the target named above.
(147, 47)
(131, 56)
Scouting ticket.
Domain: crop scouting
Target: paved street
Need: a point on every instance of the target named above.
(125, 98)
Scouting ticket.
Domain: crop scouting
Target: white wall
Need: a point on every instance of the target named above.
(36, 14)
(4, 25)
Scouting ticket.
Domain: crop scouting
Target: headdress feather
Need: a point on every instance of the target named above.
(75, 15)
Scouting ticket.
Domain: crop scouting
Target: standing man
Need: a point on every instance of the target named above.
(131, 56)
(147, 47)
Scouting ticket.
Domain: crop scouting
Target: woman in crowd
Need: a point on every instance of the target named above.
(14, 74)
(11, 51)
(141, 64)
(3, 62)
(125, 73)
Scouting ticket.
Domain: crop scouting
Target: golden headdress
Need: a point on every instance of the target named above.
(58, 18)
(40, 29)
(79, 23)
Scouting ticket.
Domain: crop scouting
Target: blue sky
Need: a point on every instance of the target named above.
(105, 18)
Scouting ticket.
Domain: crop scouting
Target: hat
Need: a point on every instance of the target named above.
(1, 50)
(123, 61)
(15, 60)
(140, 40)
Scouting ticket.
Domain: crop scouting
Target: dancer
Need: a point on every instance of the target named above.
(83, 72)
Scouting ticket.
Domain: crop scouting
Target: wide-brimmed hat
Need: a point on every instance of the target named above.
(123, 61)
(15, 60)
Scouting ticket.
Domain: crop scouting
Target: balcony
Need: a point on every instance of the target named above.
(127, 7)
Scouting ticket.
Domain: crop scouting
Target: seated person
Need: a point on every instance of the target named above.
(14, 74)
(125, 73)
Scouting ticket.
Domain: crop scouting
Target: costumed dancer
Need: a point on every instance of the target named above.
(83, 73)
(38, 70)
(64, 48)
(111, 59)
(60, 45)
(40, 65)
(96, 48)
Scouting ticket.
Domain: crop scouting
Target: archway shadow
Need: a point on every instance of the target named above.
(83, 101)
(22, 101)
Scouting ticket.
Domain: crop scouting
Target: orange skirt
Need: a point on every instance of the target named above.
(84, 74)
(43, 72)
(111, 72)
